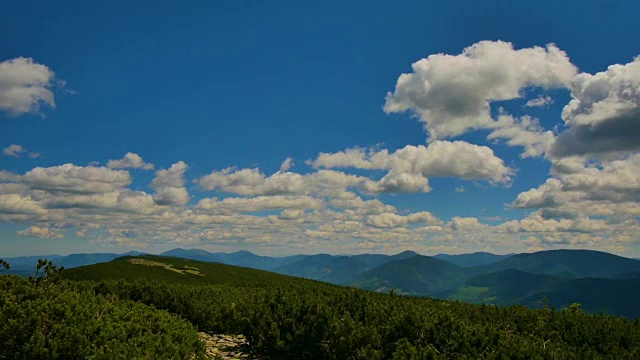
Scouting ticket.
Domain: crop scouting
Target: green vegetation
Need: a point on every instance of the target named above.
(44, 318)
(211, 273)
(509, 287)
(418, 275)
(4, 265)
(562, 276)
(474, 259)
(148, 315)
(475, 294)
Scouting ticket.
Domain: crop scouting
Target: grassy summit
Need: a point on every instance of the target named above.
(171, 269)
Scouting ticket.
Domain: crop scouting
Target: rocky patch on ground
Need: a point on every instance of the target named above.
(187, 270)
(226, 347)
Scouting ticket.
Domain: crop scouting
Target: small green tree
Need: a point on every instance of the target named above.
(4, 265)
(45, 272)
(574, 308)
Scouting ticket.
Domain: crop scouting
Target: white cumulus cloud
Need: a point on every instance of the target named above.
(76, 179)
(410, 168)
(286, 165)
(540, 101)
(604, 113)
(391, 220)
(606, 188)
(13, 150)
(169, 185)
(42, 232)
(451, 94)
(526, 132)
(260, 203)
(254, 182)
(25, 86)
(17, 151)
(130, 161)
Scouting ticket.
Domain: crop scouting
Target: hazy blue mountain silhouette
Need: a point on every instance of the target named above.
(567, 263)
(474, 259)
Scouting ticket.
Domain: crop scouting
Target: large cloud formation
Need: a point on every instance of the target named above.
(595, 170)
(451, 94)
(577, 189)
(344, 201)
(595, 160)
(604, 113)
(76, 179)
(325, 210)
(254, 182)
(410, 168)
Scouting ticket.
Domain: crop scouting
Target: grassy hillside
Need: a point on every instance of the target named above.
(511, 285)
(507, 287)
(520, 279)
(282, 317)
(170, 269)
(292, 318)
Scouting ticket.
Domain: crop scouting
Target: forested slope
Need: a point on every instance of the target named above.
(283, 318)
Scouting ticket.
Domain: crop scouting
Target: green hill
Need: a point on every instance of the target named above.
(510, 287)
(507, 287)
(139, 306)
(610, 296)
(170, 269)
(342, 269)
(418, 275)
(337, 269)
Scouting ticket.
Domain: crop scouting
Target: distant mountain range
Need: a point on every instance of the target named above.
(568, 263)
(597, 280)
(337, 269)
(239, 258)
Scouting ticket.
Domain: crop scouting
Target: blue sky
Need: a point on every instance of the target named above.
(451, 160)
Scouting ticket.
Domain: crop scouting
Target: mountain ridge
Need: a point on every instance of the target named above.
(561, 276)
(567, 263)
